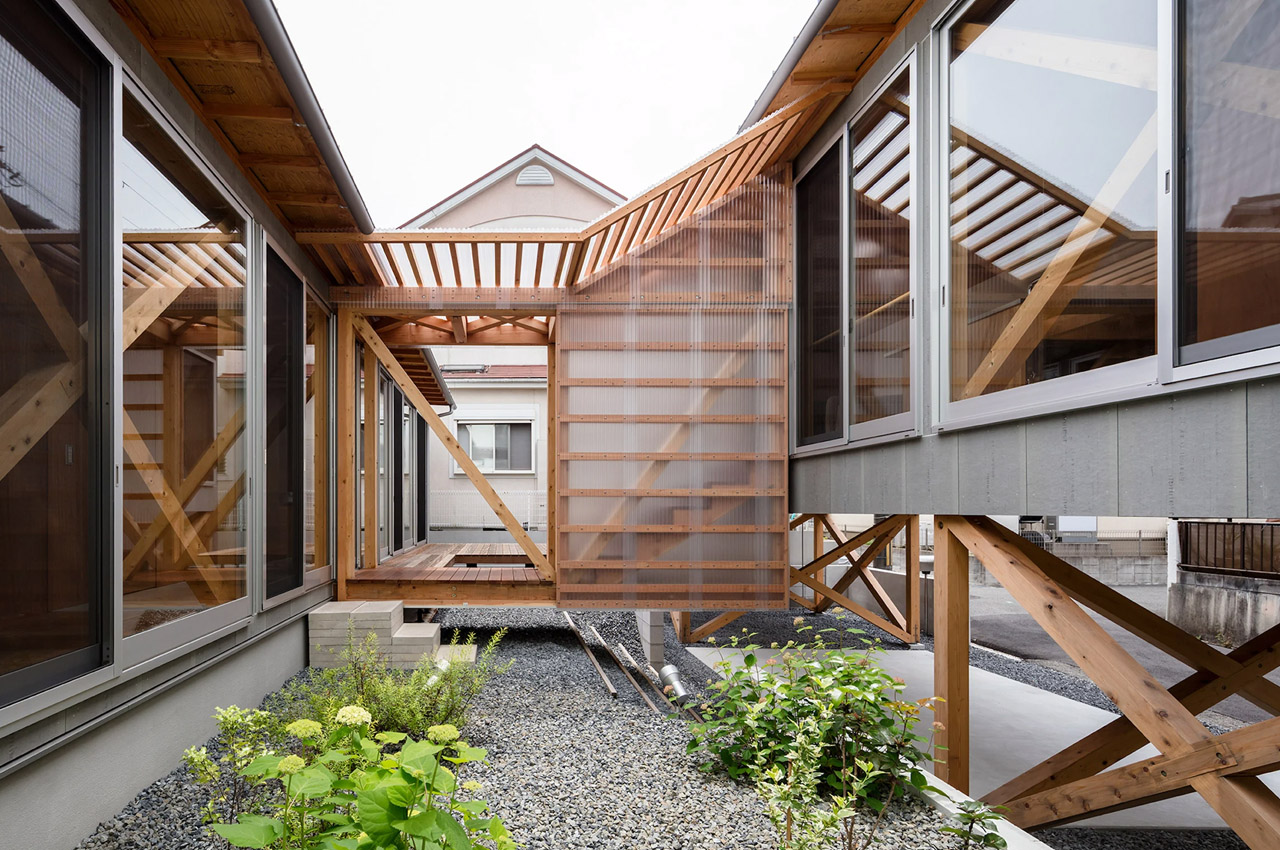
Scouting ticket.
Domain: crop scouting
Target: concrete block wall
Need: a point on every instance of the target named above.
(403, 644)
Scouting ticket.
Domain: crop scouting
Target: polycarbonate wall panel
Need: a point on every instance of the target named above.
(671, 449)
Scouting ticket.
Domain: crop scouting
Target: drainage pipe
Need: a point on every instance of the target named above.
(271, 28)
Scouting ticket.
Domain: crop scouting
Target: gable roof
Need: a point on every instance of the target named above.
(532, 154)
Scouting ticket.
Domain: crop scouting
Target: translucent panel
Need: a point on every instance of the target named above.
(1231, 184)
(819, 288)
(53, 125)
(184, 371)
(1053, 190)
(880, 333)
(671, 387)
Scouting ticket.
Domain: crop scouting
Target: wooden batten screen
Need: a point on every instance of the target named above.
(671, 387)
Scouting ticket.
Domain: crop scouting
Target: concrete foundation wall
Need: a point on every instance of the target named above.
(1114, 570)
(60, 799)
(1235, 608)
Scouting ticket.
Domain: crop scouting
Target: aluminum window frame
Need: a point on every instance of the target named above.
(495, 415)
(316, 577)
(1109, 384)
(144, 650)
(840, 139)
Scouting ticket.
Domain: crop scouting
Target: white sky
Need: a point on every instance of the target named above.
(426, 95)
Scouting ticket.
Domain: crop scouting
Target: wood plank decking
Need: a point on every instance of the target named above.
(438, 574)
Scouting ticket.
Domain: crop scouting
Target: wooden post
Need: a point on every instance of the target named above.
(371, 425)
(951, 656)
(172, 439)
(346, 469)
(553, 463)
(911, 601)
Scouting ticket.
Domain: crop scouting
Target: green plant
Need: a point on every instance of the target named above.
(822, 730)
(245, 735)
(978, 821)
(434, 692)
(353, 793)
(750, 717)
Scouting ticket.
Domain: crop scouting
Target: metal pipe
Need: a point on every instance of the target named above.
(807, 34)
(669, 675)
(271, 28)
(625, 671)
(627, 655)
(613, 692)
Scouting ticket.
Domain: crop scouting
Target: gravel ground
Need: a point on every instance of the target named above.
(1148, 839)
(571, 769)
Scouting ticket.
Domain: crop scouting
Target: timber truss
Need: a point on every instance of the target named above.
(1083, 779)
(903, 623)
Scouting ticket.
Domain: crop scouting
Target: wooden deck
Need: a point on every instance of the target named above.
(444, 574)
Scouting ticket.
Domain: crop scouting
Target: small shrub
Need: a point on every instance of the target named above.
(355, 790)
(978, 823)
(245, 734)
(433, 693)
(822, 732)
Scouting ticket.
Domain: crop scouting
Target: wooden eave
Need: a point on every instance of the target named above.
(214, 54)
(848, 43)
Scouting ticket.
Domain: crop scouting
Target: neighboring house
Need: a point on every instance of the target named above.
(501, 391)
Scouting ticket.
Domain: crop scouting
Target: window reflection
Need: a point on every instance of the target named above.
(881, 257)
(819, 337)
(184, 371)
(1053, 190)
(52, 126)
(1231, 201)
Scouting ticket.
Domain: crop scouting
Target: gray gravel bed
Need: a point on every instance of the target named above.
(1145, 839)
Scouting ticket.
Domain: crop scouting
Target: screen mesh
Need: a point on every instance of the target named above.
(671, 391)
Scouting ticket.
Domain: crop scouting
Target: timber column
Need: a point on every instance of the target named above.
(951, 656)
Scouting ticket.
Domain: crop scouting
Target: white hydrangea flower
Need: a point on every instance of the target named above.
(353, 715)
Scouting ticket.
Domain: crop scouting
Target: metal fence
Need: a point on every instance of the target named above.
(1229, 547)
(448, 509)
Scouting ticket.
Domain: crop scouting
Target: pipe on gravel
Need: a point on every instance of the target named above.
(669, 675)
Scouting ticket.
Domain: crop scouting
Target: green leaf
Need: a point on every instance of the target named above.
(993, 840)
(472, 807)
(420, 755)
(250, 831)
(312, 781)
(333, 757)
(444, 781)
(390, 737)
(403, 793)
(434, 824)
(377, 813)
(262, 766)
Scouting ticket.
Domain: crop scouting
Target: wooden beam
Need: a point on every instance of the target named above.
(833, 595)
(308, 199)
(459, 329)
(278, 160)
(1247, 806)
(369, 538)
(713, 625)
(1252, 749)
(1115, 741)
(255, 111)
(374, 343)
(552, 461)
(951, 656)
(911, 604)
(208, 49)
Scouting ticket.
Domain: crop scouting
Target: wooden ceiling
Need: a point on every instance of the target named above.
(215, 56)
(849, 43)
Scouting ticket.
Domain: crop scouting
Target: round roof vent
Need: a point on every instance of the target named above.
(535, 175)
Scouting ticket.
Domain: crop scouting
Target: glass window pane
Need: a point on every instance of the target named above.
(819, 399)
(881, 189)
(286, 390)
(1053, 190)
(522, 446)
(316, 425)
(1231, 182)
(482, 448)
(502, 446)
(52, 134)
(184, 372)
